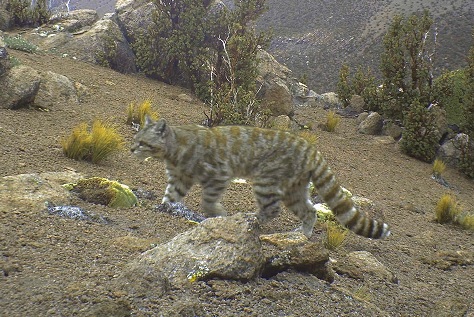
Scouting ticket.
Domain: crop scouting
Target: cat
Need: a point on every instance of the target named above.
(279, 163)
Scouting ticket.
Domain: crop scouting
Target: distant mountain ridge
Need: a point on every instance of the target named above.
(314, 38)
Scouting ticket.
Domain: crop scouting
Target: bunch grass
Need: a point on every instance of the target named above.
(335, 236)
(332, 120)
(94, 145)
(438, 167)
(136, 114)
(447, 209)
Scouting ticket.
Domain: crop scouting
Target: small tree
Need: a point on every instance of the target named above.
(420, 137)
(344, 90)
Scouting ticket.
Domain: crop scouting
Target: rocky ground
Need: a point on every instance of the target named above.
(54, 266)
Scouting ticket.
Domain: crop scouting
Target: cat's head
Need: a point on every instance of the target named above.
(150, 141)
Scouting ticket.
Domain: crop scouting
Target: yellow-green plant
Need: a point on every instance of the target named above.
(447, 209)
(308, 136)
(466, 221)
(438, 167)
(363, 293)
(93, 146)
(332, 120)
(335, 235)
(136, 114)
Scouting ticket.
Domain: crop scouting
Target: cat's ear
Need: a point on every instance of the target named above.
(160, 126)
(148, 120)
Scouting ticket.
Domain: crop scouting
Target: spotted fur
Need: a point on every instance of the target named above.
(280, 165)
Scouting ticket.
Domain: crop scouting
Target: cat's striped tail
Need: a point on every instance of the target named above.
(342, 206)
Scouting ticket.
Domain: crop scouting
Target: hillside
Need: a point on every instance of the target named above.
(61, 267)
(314, 38)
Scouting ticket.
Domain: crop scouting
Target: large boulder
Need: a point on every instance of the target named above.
(54, 90)
(20, 86)
(222, 247)
(371, 125)
(274, 83)
(134, 17)
(228, 248)
(451, 150)
(74, 20)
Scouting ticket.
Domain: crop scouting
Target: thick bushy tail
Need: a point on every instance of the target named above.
(343, 207)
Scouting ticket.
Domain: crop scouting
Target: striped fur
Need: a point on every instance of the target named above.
(279, 163)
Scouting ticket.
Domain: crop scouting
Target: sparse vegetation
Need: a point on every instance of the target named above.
(344, 90)
(438, 168)
(24, 14)
(136, 114)
(94, 145)
(19, 43)
(332, 120)
(335, 235)
(211, 50)
(447, 209)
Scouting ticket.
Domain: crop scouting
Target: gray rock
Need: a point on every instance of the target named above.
(292, 250)
(134, 17)
(371, 125)
(34, 190)
(20, 87)
(75, 20)
(361, 117)
(450, 151)
(392, 129)
(363, 265)
(4, 59)
(357, 104)
(330, 100)
(54, 90)
(222, 247)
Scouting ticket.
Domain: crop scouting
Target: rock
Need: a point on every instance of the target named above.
(330, 100)
(75, 20)
(282, 123)
(362, 265)
(221, 247)
(34, 190)
(4, 59)
(392, 129)
(450, 151)
(445, 260)
(292, 250)
(55, 89)
(134, 17)
(102, 191)
(451, 308)
(357, 104)
(275, 82)
(20, 87)
(185, 97)
(361, 117)
(372, 125)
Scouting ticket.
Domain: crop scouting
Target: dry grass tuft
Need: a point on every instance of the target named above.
(332, 120)
(438, 168)
(335, 236)
(447, 209)
(308, 136)
(92, 146)
(136, 114)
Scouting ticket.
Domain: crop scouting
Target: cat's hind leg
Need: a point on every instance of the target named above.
(297, 200)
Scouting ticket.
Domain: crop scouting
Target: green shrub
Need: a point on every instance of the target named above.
(94, 146)
(466, 162)
(344, 89)
(25, 15)
(19, 43)
(450, 91)
(420, 137)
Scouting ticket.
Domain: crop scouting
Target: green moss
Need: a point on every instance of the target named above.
(102, 191)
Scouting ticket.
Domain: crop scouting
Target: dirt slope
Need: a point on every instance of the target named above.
(61, 267)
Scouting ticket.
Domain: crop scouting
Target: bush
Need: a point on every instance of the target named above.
(451, 92)
(136, 114)
(94, 146)
(466, 162)
(420, 137)
(344, 89)
(25, 15)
